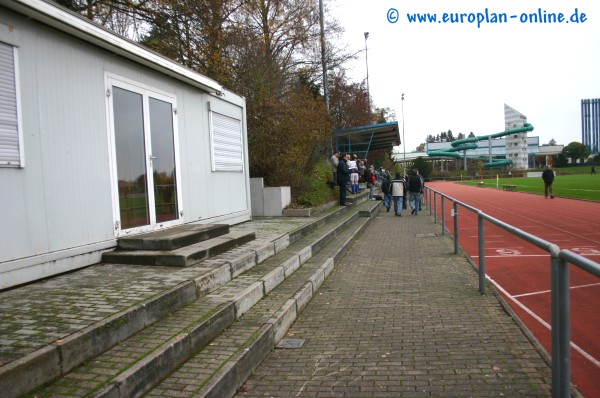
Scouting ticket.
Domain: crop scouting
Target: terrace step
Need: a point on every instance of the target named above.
(182, 256)
(60, 353)
(220, 368)
(144, 355)
(173, 238)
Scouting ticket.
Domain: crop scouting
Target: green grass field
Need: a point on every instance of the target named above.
(579, 186)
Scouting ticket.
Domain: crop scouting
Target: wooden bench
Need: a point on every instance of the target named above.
(480, 184)
(509, 187)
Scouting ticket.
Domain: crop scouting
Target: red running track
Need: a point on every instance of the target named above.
(521, 271)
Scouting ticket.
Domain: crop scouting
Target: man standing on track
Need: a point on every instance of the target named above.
(548, 177)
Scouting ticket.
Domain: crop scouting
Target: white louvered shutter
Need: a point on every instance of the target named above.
(10, 154)
(227, 148)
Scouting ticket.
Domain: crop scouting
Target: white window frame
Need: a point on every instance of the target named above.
(222, 140)
(5, 162)
(146, 92)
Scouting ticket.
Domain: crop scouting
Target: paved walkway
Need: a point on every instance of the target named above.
(401, 316)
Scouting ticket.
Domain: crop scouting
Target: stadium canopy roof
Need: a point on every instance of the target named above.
(361, 140)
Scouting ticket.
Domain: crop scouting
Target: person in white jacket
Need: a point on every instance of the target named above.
(398, 192)
(353, 166)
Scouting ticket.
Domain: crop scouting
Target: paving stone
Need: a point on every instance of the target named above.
(402, 316)
(398, 316)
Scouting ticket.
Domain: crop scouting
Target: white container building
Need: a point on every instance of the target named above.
(101, 138)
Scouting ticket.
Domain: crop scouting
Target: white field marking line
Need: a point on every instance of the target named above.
(562, 189)
(550, 291)
(544, 323)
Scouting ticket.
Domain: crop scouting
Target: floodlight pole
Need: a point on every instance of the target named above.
(367, 62)
(403, 141)
(323, 54)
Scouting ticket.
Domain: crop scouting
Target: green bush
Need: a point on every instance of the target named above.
(319, 185)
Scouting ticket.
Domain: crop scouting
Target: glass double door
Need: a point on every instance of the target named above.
(145, 144)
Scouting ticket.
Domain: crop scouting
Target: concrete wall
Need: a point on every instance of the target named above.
(268, 201)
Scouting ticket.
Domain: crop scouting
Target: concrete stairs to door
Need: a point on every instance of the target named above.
(220, 324)
(180, 246)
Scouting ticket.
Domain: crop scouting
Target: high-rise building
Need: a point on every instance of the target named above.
(516, 144)
(590, 124)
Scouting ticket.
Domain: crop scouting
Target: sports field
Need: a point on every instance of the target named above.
(579, 186)
(521, 271)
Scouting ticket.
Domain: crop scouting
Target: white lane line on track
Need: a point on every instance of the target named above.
(484, 206)
(529, 255)
(474, 201)
(543, 323)
(515, 256)
(549, 291)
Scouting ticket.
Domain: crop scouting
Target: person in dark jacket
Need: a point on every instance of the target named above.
(548, 177)
(386, 191)
(422, 189)
(415, 186)
(343, 177)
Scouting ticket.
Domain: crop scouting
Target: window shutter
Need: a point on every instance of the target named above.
(10, 154)
(227, 148)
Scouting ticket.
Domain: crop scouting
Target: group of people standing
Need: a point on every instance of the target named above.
(348, 170)
(395, 192)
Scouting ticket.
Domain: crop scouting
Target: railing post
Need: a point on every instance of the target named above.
(455, 227)
(443, 218)
(561, 333)
(429, 201)
(435, 206)
(481, 236)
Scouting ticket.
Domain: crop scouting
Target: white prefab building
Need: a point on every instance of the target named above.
(101, 138)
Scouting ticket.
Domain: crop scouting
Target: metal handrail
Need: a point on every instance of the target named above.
(559, 265)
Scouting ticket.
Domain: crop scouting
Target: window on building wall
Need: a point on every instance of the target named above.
(11, 140)
(227, 145)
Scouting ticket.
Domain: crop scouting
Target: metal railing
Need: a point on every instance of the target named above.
(559, 268)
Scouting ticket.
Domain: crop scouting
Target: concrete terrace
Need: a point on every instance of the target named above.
(382, 306)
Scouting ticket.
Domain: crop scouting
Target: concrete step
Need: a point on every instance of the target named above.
(183, 256)
(165, 343)
(172, 238)
(219, 369)
(61, 351)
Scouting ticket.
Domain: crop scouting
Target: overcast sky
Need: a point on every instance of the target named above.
(458, 76)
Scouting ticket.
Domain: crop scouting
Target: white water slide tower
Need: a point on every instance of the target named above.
(516, 144)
